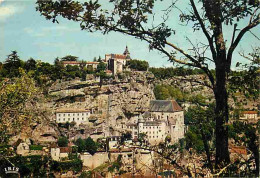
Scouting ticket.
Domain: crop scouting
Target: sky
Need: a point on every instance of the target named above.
(31, 35)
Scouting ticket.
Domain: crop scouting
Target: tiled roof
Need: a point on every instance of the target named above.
(118, 56)
(71, 62)
(147, 114)
(238, 149)
(65, 149)
(92, 62)
(71, 110)
(78, 62)
(164, 106)
(249, 112)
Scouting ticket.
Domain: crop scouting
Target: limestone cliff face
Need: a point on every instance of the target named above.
(127, 95)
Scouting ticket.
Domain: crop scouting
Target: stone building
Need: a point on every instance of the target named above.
(79, 116)
(59, 153)
(116, 62)
(87, 64)
(164, 118)
(249, 116)
(23, 149)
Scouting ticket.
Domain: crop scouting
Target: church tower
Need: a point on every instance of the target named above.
(127, 53)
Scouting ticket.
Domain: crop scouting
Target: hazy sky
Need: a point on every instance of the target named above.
(24, 30)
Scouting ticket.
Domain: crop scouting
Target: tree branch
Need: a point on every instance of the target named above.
(233, 46)
(204, 30)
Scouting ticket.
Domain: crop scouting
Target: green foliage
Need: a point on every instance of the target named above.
(36, 147)
(137, 65)
(201, 127)
(86, 174)
(164, 92)
(166, 73)
(91, 146)
(87, 145)
(71, 165)
(246, 134)
(63, 142)
(245, 81)
(29, 166)
(81, 144)
(69, 58)
(15, 109)
(12, 65)
(101, 67)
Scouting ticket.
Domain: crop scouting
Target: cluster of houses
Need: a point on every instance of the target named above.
(115, 62)
(165, 118)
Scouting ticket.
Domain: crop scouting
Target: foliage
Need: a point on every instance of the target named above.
(81, 144)
(29, 166)
(69, 58)
(63, 142)
(91, 146)
(18, 97)
(71, 165)
(164, 92)
(200, 135)
(137, 65)
(245, 81)
(12, 65)
(101, 67)
(87, 145)
(246, 134)
(169, 72)
(36, 147)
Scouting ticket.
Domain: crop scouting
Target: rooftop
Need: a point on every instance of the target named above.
(249, 112)
(71, 110)
(164, 106)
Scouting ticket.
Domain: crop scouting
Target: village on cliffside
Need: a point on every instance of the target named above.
(111, 125)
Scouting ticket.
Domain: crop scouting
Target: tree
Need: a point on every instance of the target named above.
(135, 18)
(101, 67)
(12, 64)
(30, 64)
(18, 105)
(137, 65)
(63, 142)
(201, 130)
(81, 145)
(69, 58)
(91, 146)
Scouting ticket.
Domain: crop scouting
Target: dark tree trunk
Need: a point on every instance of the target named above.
(206, 146)
(221, 111)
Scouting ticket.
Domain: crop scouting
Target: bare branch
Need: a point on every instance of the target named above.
(210, 40)
(252, 24)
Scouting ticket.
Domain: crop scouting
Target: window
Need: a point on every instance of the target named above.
(73, 114)
(63, 119)
(69, 119)
(78, 114)
(63, 114)
(68, 114)
(78, 119)
(82, 114)
(73, 119)
(59, 119)
(59, 114)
